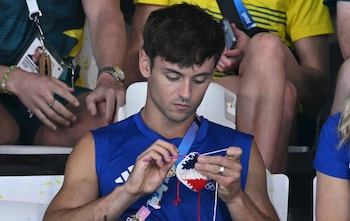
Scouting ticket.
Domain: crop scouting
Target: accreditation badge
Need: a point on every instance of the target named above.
(38, 59)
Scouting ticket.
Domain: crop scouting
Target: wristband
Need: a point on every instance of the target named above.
(4, 79)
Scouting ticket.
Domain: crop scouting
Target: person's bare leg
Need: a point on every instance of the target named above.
(281, 160)
(342, 87)
(9, 130)
(260, 96)
(68, 136)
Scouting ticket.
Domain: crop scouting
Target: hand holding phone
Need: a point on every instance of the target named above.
(230, 38)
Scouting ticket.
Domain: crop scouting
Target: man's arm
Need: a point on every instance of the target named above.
(78, 197)
(332, 198)
(253, 203)
(107, 30)
(108, 37)
(135, 42)
(343, 27)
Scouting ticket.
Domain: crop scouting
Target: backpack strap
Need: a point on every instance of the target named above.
(236, 12)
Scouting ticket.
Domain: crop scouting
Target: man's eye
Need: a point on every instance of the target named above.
(173, 77)
(200, 80)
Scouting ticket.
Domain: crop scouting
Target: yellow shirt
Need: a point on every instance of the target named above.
(291, 20)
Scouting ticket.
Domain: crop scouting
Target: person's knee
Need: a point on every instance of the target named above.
(266, 52)
(267, 44)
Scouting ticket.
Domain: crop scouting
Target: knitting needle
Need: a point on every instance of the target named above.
(215, 151)
(171, 157)
(183, 156)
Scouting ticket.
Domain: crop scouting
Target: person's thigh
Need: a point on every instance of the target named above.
(68, 136)
(9, 129)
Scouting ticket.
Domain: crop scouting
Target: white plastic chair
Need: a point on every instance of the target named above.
(31, 195)
(314, 189)
(33, 150)
(278, 190)
(27, 197)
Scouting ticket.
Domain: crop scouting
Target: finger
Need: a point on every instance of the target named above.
(60, 114)
(58, 108)
(220, 66)
(168, 148)
(153, 156)
(62, 84)
(110, 105)
(91, 101)
(237, 31)
(47, 108)
(66, 94)
(42, 117)
(210, 164)
(120, 103)
(160, 151)
(234, 53)
(234, 153)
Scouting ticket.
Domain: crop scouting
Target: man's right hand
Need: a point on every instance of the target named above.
(151, 168)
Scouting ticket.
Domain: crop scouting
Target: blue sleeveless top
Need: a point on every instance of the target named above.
(118, 145)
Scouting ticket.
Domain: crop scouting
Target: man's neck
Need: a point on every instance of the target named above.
(165, 127)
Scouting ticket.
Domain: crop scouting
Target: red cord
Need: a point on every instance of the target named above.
(178, 199)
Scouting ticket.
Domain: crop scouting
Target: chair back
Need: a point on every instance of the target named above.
(218, 104)
(278, 191)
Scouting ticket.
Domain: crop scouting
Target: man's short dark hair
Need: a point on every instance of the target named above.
(183, 34)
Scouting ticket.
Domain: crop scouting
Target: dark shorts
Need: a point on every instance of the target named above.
(28, 123)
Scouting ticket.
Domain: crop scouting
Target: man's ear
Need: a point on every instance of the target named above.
(144, 64)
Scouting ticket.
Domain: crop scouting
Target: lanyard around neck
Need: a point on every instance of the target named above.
(188, 139)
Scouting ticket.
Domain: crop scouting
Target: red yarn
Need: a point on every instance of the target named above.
(178, 199)
(197, 184)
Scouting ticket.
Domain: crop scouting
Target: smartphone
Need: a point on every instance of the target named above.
(230, 38)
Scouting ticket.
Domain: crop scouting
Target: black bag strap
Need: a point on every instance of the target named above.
(229, 10)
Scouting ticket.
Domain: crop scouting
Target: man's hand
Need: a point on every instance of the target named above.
(151, 168)
(111, 92)
(230, 59)
(37, 92)
(224, 170)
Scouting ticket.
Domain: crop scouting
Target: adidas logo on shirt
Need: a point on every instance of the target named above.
(124, 175)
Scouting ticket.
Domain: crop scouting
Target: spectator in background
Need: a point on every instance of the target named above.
(43, 110)
(332, 164)
(332, 159)
(276, 70)
(343, 35)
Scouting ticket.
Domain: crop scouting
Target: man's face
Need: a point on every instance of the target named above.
(176, 92)
(37, 54)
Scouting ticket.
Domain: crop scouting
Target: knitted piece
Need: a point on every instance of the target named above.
(188, 175)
